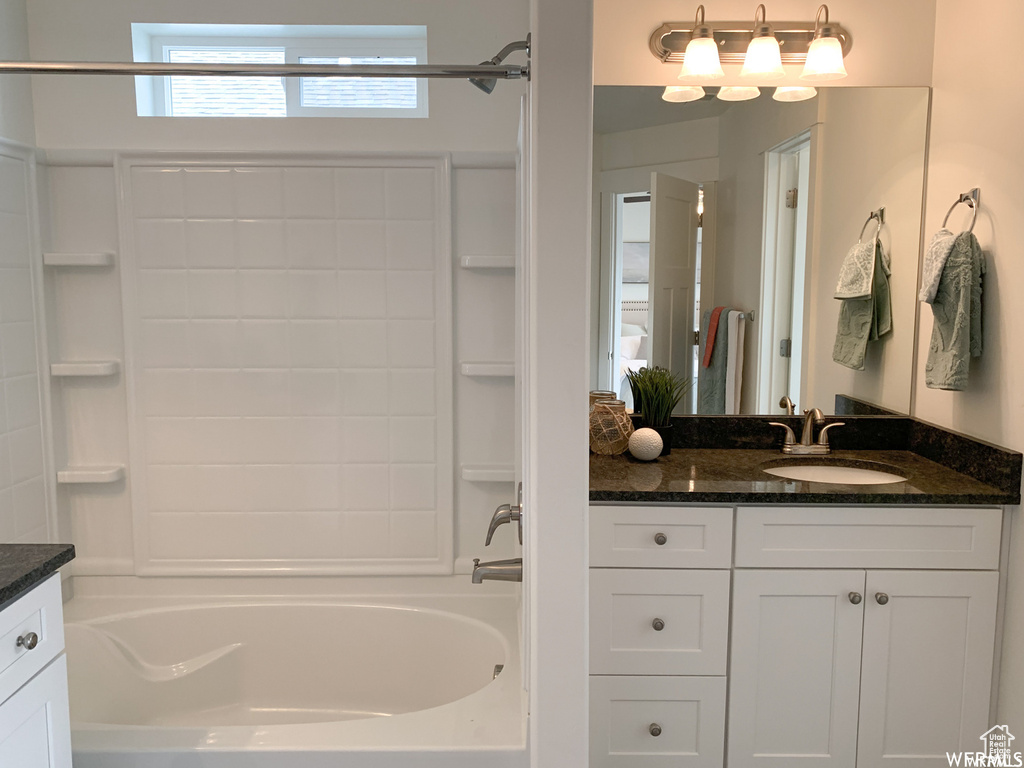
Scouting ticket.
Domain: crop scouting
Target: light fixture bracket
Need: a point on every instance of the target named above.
(669, 40)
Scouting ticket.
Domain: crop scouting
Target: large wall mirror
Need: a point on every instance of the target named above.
(753, 206)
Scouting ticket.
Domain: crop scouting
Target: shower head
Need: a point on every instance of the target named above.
(488, 84)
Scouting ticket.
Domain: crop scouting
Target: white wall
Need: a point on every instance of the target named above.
(16, 115)
(975, 142)
(892, 42)
(99, 112)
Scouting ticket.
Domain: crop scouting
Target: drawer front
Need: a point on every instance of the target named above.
(35, 730)
(868, 537)
(38, 612)
(660, 537)
(653, 622)
(687, 713)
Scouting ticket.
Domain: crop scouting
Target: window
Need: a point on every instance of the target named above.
(196, 96)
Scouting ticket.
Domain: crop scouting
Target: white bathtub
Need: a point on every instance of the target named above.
(295, 683)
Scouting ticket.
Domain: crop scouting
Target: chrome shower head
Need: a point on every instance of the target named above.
(487, 84)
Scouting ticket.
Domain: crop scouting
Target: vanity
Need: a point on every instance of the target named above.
(742, 619)
(35, 731)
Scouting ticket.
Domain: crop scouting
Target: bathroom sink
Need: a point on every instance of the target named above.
(836, 471)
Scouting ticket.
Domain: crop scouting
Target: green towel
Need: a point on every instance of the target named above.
(864, 320)
(711, 380)
(956, 311)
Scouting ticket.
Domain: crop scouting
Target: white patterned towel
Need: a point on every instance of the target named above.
(857, 272)
(934, 262)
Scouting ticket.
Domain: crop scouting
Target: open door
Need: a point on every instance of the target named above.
(671, 296)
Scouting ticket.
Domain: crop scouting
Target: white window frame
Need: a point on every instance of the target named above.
(152, 42)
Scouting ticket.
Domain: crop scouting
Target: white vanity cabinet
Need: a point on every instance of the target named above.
(35, 730)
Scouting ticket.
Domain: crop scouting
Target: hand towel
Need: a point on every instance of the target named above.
(857, 272)
(709, 348)
(956, 312)
(865, 319)
(734, 363)
(711, 380)
(934, 260)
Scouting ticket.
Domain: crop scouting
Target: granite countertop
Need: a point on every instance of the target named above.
(23, 566)
(735, 475)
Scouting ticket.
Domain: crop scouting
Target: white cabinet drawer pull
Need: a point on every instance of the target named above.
(855, 598)
(660, 539)
(655, 729)
(658, 625)
(28, 641)
(881, 598)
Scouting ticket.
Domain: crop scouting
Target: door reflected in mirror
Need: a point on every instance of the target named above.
(723, 227)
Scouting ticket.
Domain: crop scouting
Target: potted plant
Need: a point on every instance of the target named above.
(656, 393)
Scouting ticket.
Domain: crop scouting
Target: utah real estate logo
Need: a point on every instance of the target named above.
(997, 751)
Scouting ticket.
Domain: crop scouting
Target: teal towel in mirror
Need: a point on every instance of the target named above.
(711, 380)
(865, 319)
(956, 314)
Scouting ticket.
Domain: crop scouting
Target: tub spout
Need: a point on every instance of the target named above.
(498, 570)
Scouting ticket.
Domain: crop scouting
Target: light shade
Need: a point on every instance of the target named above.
(763, 59)
(794, 93)
(738, 93)
(683, 93)
(824, 60)
(700, 60)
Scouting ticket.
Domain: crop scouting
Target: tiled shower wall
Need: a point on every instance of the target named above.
(93, 421)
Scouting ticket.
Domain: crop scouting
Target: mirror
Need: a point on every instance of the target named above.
(783, 192)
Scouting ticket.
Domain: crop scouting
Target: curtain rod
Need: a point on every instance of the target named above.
(454, 71)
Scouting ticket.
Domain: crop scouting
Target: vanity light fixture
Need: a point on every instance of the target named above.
(700, 60)
(763, 59)
(683, 93)
(738, 92)
(794, 93)
(825, 54)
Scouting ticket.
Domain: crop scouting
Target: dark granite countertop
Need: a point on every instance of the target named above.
(23, 566)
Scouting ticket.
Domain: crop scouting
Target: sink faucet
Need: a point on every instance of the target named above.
(807, 446)
(498, 570)
(788, 404)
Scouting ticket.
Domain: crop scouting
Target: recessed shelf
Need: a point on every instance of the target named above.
(488, 369)
(90, 475)
(78, 259)
(488, 473)
(488, 262)
(93, 368)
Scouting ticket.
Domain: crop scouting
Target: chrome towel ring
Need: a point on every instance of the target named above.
(972, 199)
(878, 216)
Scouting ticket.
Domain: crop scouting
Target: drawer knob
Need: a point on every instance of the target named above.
(660, 539)
(654, 729)
(881, 598)
(855, 598)
(28, 641)
(658, 625)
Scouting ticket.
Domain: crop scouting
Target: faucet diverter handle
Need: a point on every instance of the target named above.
(506, 513)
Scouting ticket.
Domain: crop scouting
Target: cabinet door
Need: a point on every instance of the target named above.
(35, 731)
(795, 668)
(927, 666)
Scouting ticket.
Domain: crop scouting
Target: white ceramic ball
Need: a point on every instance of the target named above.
(645, 444)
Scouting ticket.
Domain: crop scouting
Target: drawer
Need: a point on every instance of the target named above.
(868, 537)
(692, 537)
(688, 712)
(38, 611)
(627, 606)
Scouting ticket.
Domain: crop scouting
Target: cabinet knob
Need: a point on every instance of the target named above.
(28, 641)
(654, 729)
(881, 598)
(660, 539)
(855, 598)
(658, 625)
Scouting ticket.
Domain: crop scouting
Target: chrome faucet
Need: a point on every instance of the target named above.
(498, 570)
(807, 446)
(507, 513)
(788, 404)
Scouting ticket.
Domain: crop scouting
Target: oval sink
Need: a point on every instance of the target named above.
(832, 472)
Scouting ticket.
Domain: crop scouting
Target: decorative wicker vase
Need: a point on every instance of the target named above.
(610, 427)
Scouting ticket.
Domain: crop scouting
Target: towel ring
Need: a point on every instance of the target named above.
(973, 207)
(878, 216)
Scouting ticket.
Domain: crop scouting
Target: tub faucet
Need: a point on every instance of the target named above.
(498, 570)
(807, 446)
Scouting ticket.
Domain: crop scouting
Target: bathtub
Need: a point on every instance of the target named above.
(255, 682)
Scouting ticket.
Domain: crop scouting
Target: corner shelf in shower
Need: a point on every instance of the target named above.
(488, 262)
(85, 369)
(78, 259)
(488, 473)
(488, 369)
(90, 475)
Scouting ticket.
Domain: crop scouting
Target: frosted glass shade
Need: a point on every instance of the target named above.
(701, 60)
(738, 93)
(794, 93)
(763, 59)
(824, 60)
(683, 93)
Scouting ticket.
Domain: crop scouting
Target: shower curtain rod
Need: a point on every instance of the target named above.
(455, 71)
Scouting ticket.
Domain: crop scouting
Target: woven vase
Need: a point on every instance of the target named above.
(610, 427)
